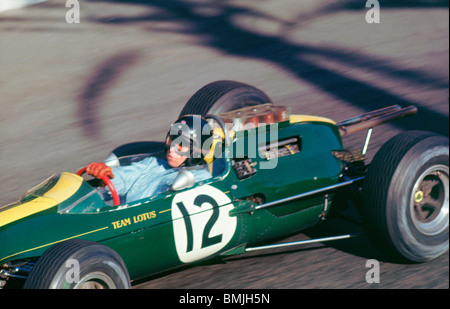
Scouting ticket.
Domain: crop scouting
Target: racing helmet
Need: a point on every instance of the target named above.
(192, 131)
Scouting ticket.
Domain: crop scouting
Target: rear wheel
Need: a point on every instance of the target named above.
(79, 264)
(223, 96)
(406, 196)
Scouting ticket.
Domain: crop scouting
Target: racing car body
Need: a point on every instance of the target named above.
(273, 178)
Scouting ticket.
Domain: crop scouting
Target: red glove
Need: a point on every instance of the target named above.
(99, 169)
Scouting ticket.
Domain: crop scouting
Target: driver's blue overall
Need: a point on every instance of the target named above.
(148, 177)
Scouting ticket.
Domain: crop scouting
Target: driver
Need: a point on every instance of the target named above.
(187, 143)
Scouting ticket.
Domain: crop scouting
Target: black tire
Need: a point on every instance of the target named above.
(405, 197)
(78, 264)
(223, 96)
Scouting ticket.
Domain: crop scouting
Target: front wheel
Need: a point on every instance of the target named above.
(406, 197)
(78, 264)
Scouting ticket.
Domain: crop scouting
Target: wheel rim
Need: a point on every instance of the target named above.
(95, 280)
(430, 199)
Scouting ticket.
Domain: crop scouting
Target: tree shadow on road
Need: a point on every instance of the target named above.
(354, 4)
(104, 77)
(212, 22)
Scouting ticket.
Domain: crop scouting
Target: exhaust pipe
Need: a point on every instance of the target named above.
(375, 118)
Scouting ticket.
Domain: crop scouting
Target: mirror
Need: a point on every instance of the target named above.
(184, 179)
(112, 161)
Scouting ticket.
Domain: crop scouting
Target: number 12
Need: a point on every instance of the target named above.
(206, 240)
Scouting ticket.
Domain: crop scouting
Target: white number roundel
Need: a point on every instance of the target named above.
(201, 222)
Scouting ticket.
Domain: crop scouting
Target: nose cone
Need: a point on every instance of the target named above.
(26, 223)
(23, 224)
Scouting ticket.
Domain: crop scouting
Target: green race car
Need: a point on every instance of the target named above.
(273, 174)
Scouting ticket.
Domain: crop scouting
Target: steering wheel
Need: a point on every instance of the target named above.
(108, 182)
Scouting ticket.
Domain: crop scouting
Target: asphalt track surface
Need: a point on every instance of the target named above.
(70, 93)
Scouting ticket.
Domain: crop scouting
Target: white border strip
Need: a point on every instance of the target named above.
(16, 4)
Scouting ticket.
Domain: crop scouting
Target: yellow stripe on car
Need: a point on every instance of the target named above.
(66, 186)
(55, 242)
(308, 118)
